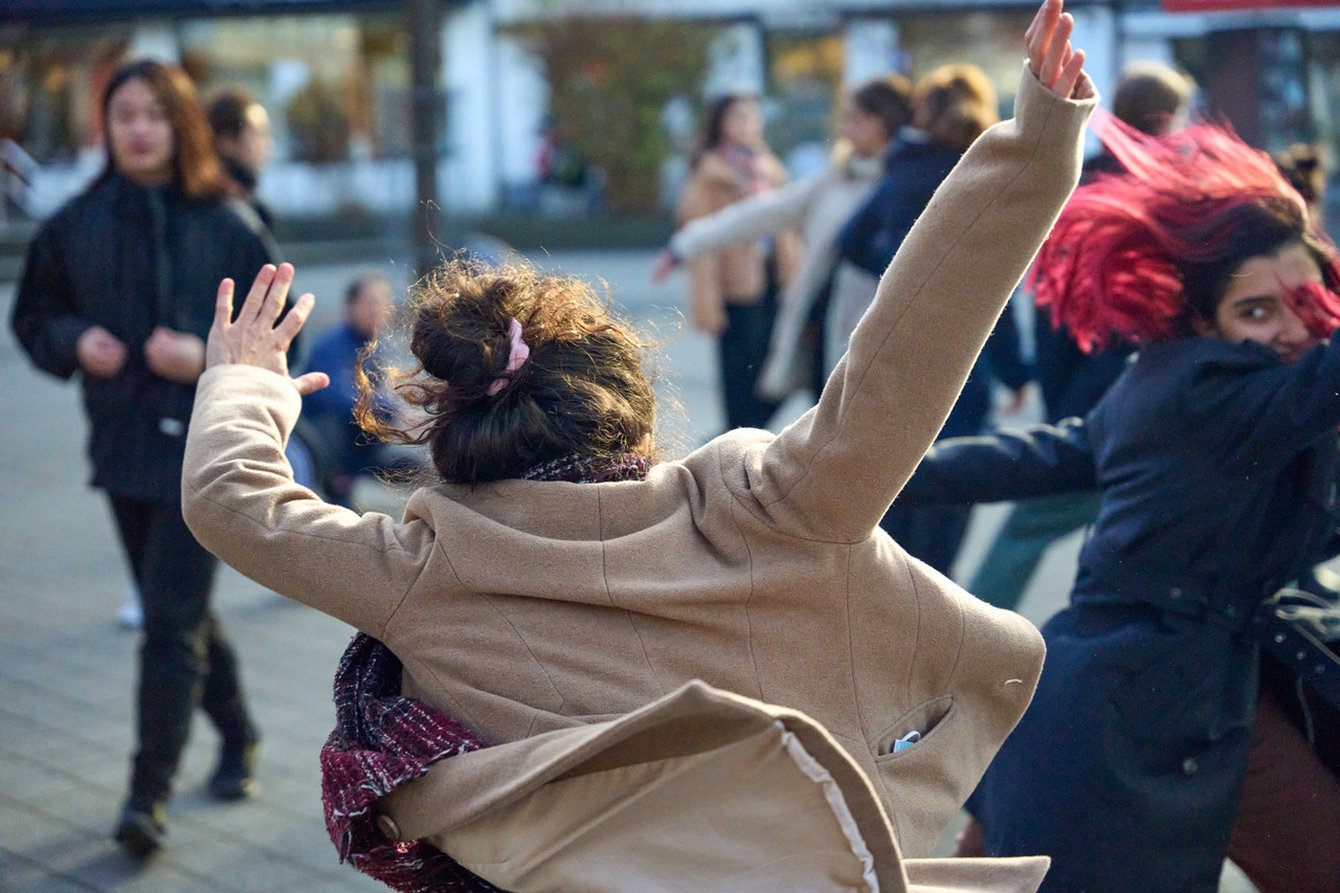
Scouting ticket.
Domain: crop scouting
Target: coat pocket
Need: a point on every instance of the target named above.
(913, 728)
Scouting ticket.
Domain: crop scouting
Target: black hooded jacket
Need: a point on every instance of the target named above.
(129, 259)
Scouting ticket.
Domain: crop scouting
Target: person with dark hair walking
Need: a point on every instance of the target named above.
(117, 288)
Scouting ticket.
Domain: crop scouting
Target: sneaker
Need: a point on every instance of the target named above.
(140, 831)
(235, 777)
(130, 615)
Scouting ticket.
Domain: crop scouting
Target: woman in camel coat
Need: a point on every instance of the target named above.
(614, 626)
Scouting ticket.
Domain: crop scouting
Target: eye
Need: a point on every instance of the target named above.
(1257, 311)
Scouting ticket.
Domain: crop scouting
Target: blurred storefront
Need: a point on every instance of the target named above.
(336, 79)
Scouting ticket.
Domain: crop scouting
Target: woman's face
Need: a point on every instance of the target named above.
(864, 131)
(742, 124)
(140, 133)
(1254, 306)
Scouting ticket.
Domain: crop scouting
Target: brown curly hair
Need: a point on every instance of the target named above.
(583, 390)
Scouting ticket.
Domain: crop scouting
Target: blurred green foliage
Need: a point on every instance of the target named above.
(610, 78)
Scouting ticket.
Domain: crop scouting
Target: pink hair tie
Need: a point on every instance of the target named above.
(516, 357)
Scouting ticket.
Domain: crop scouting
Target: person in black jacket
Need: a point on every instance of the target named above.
(1152, 98)
(118, 288)
(952, 106)
(1160, 739)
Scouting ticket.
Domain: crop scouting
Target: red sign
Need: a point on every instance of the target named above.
(1222, 5)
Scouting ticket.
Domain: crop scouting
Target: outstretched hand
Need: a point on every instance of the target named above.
(1058, 66)
(254, 338)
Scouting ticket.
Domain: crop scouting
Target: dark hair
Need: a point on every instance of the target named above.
(1301, 166)
(715, 123)
(888, 98)
(196, 170)
(954, 104)
(1150, 95)
(227, 112)
(360, 282)
(1261, 227)
(582, 391)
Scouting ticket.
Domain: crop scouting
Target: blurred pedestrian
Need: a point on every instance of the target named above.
(1161, 739)
(117, 287)
(817, 207)
(563, 595)
(1152, 98)
(243, 141)
(733, 292)
(368, 304)
(952, 106)
(1302, 165)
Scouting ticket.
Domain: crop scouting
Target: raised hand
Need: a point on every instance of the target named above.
(254, 338)
(1058, 66)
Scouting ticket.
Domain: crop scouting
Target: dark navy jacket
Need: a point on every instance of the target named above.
(1217, 465)
(129, 259)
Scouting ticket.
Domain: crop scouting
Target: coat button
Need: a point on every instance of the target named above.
(1175, 592)
(1190, 766)
(387, 825)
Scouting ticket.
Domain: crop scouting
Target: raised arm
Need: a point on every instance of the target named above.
(833, 473)
(752, 218)
(238, 493)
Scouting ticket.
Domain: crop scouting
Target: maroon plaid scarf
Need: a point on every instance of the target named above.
(383, 739)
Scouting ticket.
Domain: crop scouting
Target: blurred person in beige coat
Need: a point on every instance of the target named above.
(710, 673)
(798, 357)
(733, 290)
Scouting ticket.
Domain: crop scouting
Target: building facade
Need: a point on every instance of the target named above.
(335, 77)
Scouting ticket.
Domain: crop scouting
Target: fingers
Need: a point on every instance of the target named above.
(292, 323)
(255, 299)
(278, 293)
(1070, 75)
(1057, 50)
(223, 305)
(1039, 34)
(311, 382)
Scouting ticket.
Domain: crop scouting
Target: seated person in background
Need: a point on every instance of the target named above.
(368, 304)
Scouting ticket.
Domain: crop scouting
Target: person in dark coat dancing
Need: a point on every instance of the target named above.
(952, 106)
(118, 287)
(1153, 748)
(1152, 98)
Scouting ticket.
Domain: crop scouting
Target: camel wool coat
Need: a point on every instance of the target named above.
(529, 610)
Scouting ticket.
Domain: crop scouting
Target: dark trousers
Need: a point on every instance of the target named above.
(1289, 812)
(741, 351)
(184, 658)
